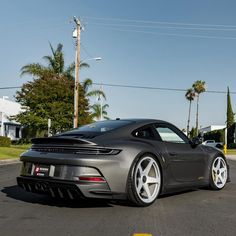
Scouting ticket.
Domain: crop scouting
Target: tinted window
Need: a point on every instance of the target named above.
(144, 133)
(168, 135)
(102, 126)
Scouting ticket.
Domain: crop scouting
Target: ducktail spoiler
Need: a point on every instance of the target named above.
(62, 141)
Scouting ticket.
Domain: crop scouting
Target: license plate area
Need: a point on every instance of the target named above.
(42, 170)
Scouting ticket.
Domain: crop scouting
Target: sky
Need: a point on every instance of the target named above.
(167, 44)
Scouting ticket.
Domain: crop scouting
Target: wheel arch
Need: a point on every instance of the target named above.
(136, 159)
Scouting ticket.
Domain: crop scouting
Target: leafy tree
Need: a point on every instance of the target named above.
(189, 95)
(217, 135)
(230, 114)
(96, 111)
(50, 97)
(193, 133)
(199, 87)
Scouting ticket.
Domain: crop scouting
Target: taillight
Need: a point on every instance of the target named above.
(91, 179)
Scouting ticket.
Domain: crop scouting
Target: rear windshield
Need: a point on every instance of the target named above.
(102, 126)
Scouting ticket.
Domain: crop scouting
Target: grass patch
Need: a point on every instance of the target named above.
(231, 151)
(13, 151)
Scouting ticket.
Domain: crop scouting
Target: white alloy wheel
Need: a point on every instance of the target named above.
(219, 172)
(147, 179)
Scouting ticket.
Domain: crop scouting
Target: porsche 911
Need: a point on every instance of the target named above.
(123, 159)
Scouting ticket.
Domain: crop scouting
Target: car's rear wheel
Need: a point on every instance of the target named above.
(219, 173)
(144, 182)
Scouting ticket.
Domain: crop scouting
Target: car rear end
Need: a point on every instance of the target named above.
(71, 168)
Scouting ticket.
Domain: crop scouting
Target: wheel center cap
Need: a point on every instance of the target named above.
(144, 179)
(218, 172)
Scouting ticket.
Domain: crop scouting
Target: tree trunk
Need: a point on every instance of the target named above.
(197, 114)
(189, 113)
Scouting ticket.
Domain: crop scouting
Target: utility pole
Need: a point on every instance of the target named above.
(77, 64)
(101, 111)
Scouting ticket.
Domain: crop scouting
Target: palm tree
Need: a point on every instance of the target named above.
(189, 95)
(96, 111)
(87, 83)
(199, 87)
(55, 66)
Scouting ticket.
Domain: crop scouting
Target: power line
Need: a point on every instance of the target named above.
(159, 22)
(159, 88)
(143, 87)
(170, 34)
(86, 51)
(164, 27)
(9, 87)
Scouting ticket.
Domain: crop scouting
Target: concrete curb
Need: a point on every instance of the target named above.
(231, 157)
(9, 161)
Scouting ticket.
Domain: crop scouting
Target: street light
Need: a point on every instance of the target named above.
(90, 59)
(76, 90)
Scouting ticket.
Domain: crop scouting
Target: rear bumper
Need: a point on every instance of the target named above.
(66, 189)
(60, 189)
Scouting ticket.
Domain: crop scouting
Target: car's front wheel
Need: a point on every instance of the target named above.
(218, 173)
(144, 182)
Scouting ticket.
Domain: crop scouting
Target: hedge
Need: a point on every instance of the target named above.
(5, 142)
(217, 135)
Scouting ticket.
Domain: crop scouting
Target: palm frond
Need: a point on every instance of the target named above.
(52, 49)
(34, 69)
(50, 61)
(59, 47)
(86, 84)
(96, 93)
(69, 72)
(84, 65)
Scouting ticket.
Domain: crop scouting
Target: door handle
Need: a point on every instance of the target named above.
(173, 154)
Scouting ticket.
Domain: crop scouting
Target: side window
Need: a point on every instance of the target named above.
(169, 135)
(144, 133)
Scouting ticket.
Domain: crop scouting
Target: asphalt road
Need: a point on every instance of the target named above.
(202, 212)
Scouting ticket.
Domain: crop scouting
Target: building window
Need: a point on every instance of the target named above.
(17, 132)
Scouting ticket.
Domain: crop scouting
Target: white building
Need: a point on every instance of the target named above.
(9, 128)
(212, 128)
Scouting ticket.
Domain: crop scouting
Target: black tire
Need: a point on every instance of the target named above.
(134, 197)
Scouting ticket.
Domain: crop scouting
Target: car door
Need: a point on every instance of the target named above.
(185, 162)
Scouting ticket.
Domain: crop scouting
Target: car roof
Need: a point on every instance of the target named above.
(142, 120)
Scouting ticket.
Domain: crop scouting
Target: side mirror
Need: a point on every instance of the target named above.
(196, 141)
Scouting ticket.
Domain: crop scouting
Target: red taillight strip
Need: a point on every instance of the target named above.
(91, 179)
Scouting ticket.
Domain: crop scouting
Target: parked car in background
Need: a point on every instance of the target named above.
(213, 143)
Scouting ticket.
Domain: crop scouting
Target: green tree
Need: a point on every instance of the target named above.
(230, 113)
(52, 98)
(199, 87)
(189, 95)
(193, 133)
(230, 120)
(51, 95)
(96, 111)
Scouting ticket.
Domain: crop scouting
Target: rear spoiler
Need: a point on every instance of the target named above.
(59, 140)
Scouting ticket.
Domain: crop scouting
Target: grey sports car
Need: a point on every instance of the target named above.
(133, 159)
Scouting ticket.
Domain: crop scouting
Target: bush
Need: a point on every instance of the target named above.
(217, 135)
(232, 146)
(21, 141)
(5, 142)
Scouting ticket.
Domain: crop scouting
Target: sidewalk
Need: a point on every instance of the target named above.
(231, 157)
(9, 161)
